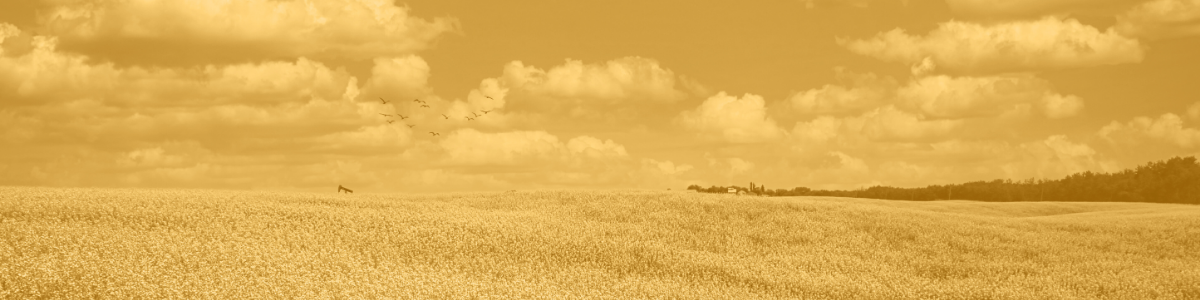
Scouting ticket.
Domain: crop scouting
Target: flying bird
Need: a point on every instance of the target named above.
(411, 126)
(385, 115)
(402, 117)
(489, 97)
(469, 118)
(434, 133)
(476, 115)
(423, 105)
(390, 121)
(444, 116)
(418, 101)
(381, 99)
(486, 111)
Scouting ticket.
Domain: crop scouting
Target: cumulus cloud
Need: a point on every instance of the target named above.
(738, 165)
(938, 97)
(46, 75)
(881, 124)
(1055, 157)
(890, 123)
(1028, 8)
(965, 97)
(1161, 19)
(575, 87)
(811, 4)
(865, 91)
(1166, 129)
(618, 93)
(354, 29)
(963, 47)
(541, 157)
(731, 119)
(299, 123)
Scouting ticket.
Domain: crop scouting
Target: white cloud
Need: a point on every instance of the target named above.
(1161, 19)
(889, 123)
(866, 91)
(738, 165)
(46, 75)
(1047, 43)
(398, 79)
(357, 29)
(732, 119)
(1027, 8)
(666, 167)
(1057, 106)
(965, 97)
(575, 87)
(1167, 129)
(1054, 157)
(470, 147)
(881, 124)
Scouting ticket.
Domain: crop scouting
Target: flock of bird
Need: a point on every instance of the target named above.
(426, 105)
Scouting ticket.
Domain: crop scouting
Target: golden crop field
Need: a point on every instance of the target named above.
(160, 244)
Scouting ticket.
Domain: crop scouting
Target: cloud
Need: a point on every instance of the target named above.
(528, 149)
(1166, 129)
(866, 91)
(1194, 111)
(938, 97)
(1161, 19)
(68, 119)
(829, 4)
(574, 87)
(228, 30)
(889, 123)
(47, 75)
(469, 147)
(618, 93)
(967, 97)
(1055, 157)
(666, 167)
(731, 119)
(962, 47)
(738, 165)
(398, 78)
(1028, 8)
(881, 124)
(852, 164)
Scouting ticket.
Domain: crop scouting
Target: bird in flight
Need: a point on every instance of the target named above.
(490, 97)
(444, 116)
(418, 101)
(411, 126)
(402, 117)
(469, 118)
(390, 121)
(486, 111)
(385, 115)
(381, 99)
(423, 105)
(476, 115)
(434, 133)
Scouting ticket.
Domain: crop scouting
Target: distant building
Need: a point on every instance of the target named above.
(732, 191)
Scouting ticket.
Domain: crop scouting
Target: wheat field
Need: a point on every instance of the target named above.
(163, 244)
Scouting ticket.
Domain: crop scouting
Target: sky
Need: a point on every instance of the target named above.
(829, 94)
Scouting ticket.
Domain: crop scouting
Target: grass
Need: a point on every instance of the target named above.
(113, 243)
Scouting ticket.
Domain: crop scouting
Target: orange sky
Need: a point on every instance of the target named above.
(284, 94)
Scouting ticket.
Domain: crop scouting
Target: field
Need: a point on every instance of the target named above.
(153, 244)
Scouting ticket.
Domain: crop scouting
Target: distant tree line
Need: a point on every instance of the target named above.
(1176, 180)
